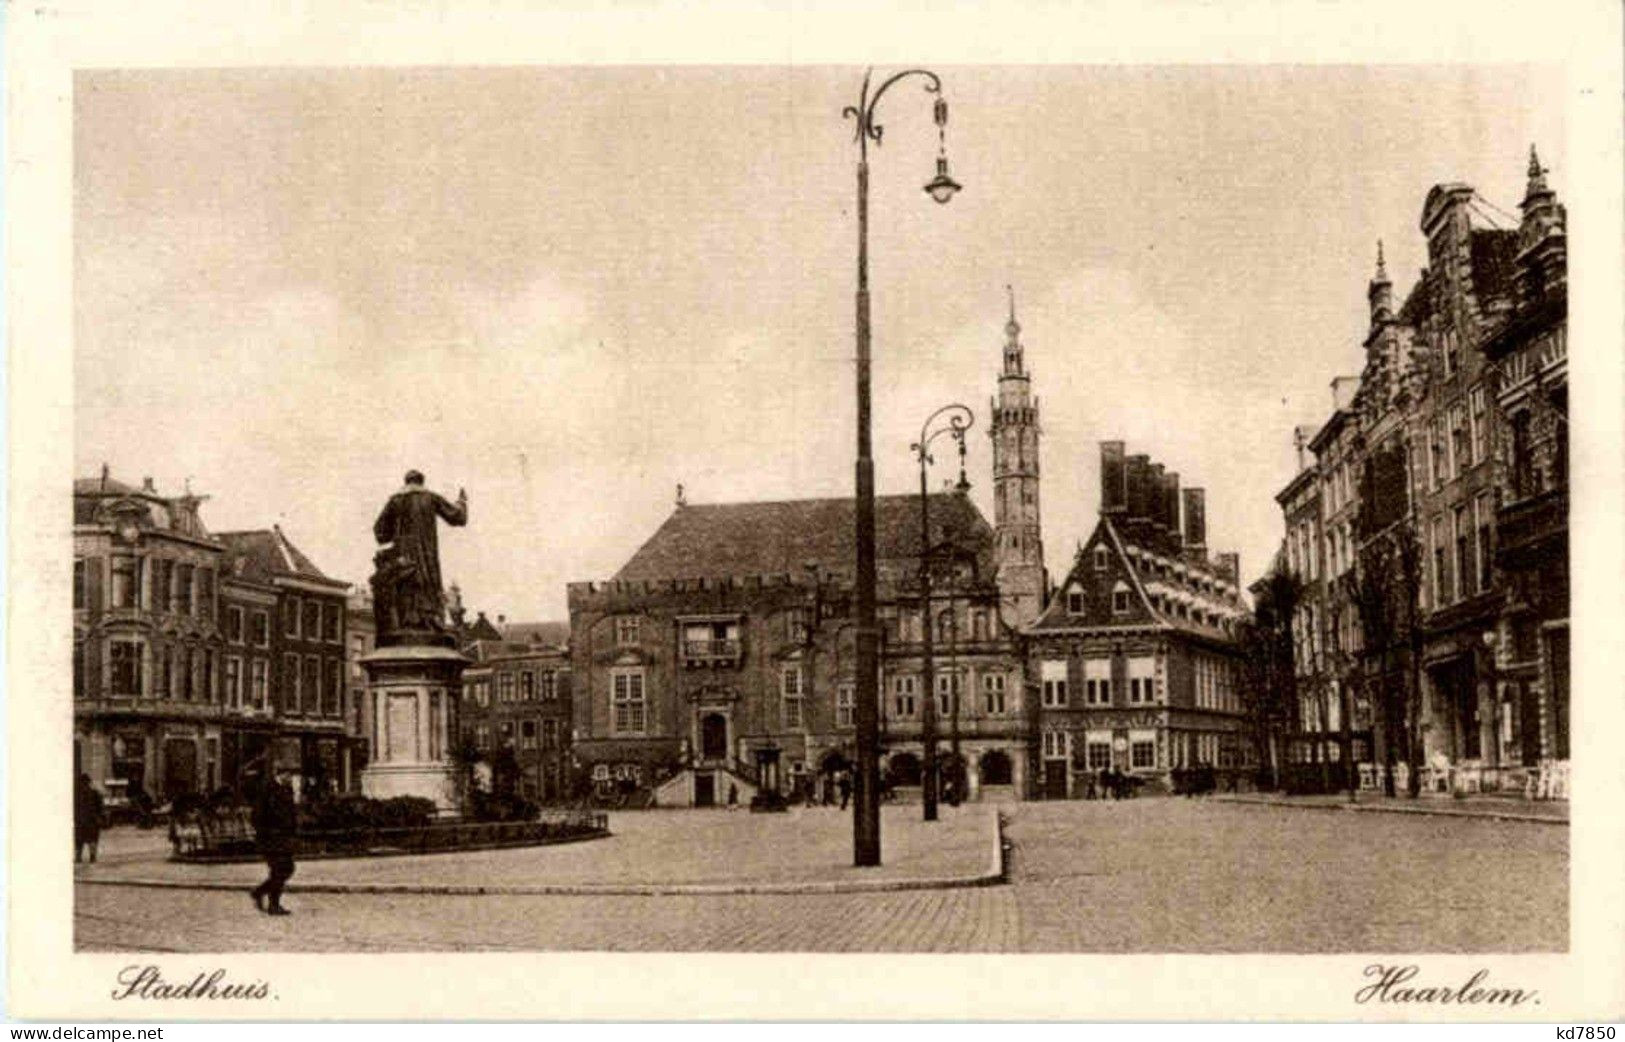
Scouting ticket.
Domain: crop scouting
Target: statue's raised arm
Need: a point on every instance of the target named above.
(408, 598)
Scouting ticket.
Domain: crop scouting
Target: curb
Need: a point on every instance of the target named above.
(993, 876)
(1370, 808)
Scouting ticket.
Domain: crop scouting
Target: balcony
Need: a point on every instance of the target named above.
(1525, 528)
(699, 654)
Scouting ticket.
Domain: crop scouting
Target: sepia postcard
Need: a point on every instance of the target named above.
(1051, 512)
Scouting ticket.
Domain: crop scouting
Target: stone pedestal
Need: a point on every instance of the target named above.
(411, 722)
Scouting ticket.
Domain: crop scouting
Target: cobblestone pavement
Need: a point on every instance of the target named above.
(1470, 806)
(1183, 875)
(1140, 875)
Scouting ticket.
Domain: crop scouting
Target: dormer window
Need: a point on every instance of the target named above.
(1100, 558)
(1074, 602)
(1120, 599)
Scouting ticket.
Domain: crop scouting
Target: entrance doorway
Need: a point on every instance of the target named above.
(1055, 779)
(713, 737)
(705, 790)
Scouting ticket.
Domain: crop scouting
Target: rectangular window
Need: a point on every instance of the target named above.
(259, 683)
(1074, 602)
(993, 693)
(290, 617)
(1452, 356)
(259, 629)
(482, 736)
(1441, 564)
(313, 620)
(162, 583)
(1097, 681)
(330, 623)
(80, 598)
(796, 629)
(1484, 519)
(627, 630)
(1056, 745)
(1461, 448)
(205, 593)
(550, 734)
(790, 692)
(290, 684)
(527, 734)
(1142, 680)
(1120, 600)
(310, 687)
(903, 690)
(1479, 422)
(1054, 679)
(504, 686)
(845, 705)
(1101, 558)
(550, 685)
(126, 662)
(1465, 570)
(234, 624)
(1099, 754)
(627, 699)
(126, 582)
(234, 682)
(1441, 465)
(527, 686)
(333, 695)
(1142, 754)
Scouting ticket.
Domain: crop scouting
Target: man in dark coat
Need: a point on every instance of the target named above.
(408, 524)
(275, 821)
(87, 818)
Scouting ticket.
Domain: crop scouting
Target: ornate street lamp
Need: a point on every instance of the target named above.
(952, 420)
(866, 812)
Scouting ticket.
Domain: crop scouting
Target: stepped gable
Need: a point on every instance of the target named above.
(784, 537)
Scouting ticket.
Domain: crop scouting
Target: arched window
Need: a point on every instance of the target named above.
(995, 767)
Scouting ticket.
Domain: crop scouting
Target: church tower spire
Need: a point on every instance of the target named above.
(1018, 543)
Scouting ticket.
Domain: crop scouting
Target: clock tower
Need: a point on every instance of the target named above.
(1018, 546)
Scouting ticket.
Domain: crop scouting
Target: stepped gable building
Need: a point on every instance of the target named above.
(1456, 440)
(150, 713)
(720, 659)
(315, 737)
(1134, 659)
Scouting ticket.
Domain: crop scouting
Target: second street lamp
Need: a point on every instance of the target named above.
(866, 811)
(952, 420)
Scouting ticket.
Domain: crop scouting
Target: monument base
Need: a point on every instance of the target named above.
(412, 695)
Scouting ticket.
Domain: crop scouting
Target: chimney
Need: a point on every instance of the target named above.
(1157, 497)
(146, 485)
(1139, 478)
(1170, 504)
(1113, 478)
(1196, 521)
(104, 477)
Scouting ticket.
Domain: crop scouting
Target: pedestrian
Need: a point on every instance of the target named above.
(87, 819)
(733, 795)
(1105, 782)
(275, 821)
(846, 788)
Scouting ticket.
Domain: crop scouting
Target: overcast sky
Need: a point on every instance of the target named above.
(569, 289)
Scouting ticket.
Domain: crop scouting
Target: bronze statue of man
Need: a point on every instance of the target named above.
(407, 592)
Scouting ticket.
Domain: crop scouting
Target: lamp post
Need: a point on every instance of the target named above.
(866, 812)
(955, 420)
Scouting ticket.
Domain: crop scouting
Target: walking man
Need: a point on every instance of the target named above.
(846, 788)
(275, 820)
(87, 819)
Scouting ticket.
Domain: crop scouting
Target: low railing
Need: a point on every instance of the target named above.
(711, 649)
(230, 837)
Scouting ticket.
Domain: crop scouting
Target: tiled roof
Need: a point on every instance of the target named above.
(92, 486)
(268, 553)
(549, 634)
(716, 539)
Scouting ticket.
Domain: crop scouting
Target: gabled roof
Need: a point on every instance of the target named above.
(1158, 584)
(267, 554)
(775, 538)
(546, 634)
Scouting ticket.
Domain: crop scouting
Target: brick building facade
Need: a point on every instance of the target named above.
(1134, 661)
